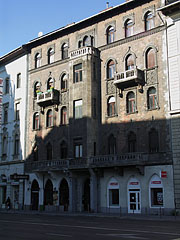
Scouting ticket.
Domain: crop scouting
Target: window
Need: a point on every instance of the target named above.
(131, 103)
(131, 142)
(78, 151)
(37, 60)
(86, 41)
(50, 83)
(49, 118)
(18, 80)
(64, 51)
(35, 153)
(49, 151)
(152, 98)
(110, 34)
(63, 115)
(63, 150)
(7, 86)
(149, 21)
(5, 119)
(110, 69)
(111, 106)
(50, 56)
(16, 144)
(111, 144)
(80, 44)
(153, 141)
(36, 88)
(4, 146)
(64, 82)
(129, 62)
(36, 121)
(78, 109)
(113, 193)
(156, 191)
(150, 58)
(128, 28)
(17, 110)
(77, 73)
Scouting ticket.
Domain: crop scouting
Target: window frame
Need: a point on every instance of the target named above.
(78, 149)
(64, 115)
(149, 21)
(111, 69)
(50, 55)
(153, 137)
(128, 26)
(37, 60)
(64, 51)
(7, 85)
(77, 73)
(18, 83)
(78, 109)
(130, 103)
(152, 97)
(110, 32)
(49, 118)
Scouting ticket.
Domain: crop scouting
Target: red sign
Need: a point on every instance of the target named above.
(163, 174)
(134, 183)
(113, 183)
(156, 182)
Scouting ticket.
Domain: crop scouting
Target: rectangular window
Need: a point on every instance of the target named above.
(7, 86)
(16, 147)
(77, 73)
(5, 119)
(156, 197)
(78, 109)
(17, 110)
(18, 80)
(113, 197)
(78, 149)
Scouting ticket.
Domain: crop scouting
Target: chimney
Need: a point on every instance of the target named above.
(107, 4)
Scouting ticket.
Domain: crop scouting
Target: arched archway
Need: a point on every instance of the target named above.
(64, 194)
(48, 193)
(86, 195)
(35, 195)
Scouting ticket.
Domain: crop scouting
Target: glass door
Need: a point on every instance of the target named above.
(134, 203)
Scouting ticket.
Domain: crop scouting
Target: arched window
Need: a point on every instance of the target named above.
(16, 144)
(110, 34)
(86, 41)
(49, 120)
(36, 88)
(50, 55)
(132, 142)
(50, 83)
(35, 153)
(110, 69)
(153, 140)
(131, 103)
(64, 82)
(63, 150)
(37, 60)
(150, 58)
(112, 144)
(111, 106)
(36, 121)
(130, 62)
(63, 115)
(49, 151)
(152, 98)
(128, 28)
(149, 21)
(64, 49)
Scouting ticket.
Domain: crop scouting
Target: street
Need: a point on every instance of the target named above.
(48, 227)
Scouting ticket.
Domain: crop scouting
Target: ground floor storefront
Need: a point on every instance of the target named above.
(109, 190)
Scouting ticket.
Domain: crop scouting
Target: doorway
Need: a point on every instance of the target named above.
(48, 193)
(134, 205)
(86, 196)
(64, 194)
(35, 195)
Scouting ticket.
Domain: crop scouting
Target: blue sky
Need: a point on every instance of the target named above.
(21, 20)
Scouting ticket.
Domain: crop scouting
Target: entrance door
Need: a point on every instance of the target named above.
(35, 195)
(86, 195)
(64, 194)
(134, 205)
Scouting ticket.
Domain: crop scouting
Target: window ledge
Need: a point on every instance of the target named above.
(115, 115)
(152, 109)
(132, 113)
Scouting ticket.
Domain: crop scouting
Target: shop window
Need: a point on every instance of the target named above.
(64, 82)
(18, 80)
(78, 109)
(113, 197)
(111, 145)
(152, 98)
(131, 103)
(36, 121)
(49, 151)
(77, 73)
(64, 50)
(78, 149)
(128, 28)
(17, 112)
(63, 115)
(7, 86)
(132, 142)
(153, 141)
(50, 56)
(63, 150)
(37, 60)
(110, 34)
(130, 62)
(49, 120)
(149, 21)
(156, 197)
(110, 69)
(150, 58)
(111, 106)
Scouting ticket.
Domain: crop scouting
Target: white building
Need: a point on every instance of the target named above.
(13, 72)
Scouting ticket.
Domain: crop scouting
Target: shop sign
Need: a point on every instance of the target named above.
(134, 183)
(113, 183)
(19, 177)
(156, 182)
(163, 174)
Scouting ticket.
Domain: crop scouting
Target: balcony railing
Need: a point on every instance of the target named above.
(83, 51)
(47, 98)
(129, 78)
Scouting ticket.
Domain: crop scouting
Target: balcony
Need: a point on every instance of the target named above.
(129, 78)
(48, 98)
(83, 51)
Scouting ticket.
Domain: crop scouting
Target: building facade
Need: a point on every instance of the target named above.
(13, 73)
